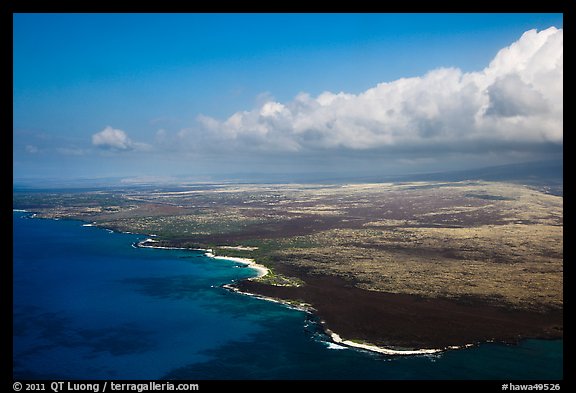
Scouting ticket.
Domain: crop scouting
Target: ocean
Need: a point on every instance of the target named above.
(87, 304)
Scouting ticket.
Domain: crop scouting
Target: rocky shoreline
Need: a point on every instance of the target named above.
(408, 324)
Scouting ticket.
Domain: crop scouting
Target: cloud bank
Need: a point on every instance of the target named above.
(516, 100)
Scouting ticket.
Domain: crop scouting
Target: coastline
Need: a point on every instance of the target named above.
(391, 324)
(248, 262)
(386, 351)
(335, 338)
(142, 244)
(300, 307)
(394, 344)
(263, 271)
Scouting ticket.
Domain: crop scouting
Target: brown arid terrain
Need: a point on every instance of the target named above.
(404, 265)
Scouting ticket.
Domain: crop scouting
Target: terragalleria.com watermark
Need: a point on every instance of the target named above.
(97, 387)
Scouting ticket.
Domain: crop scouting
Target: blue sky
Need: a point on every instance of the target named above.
(206, 95)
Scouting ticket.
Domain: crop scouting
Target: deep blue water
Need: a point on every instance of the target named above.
(88, 305)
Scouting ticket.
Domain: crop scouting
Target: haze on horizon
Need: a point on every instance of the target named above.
(209, 95)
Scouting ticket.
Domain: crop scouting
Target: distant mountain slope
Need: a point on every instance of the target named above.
(547, 175)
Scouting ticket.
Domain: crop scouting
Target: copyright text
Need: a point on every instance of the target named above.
(97, 387)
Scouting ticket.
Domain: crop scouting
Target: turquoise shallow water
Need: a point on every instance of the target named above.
(89, 305)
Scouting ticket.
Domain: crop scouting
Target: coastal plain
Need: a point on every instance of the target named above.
(412, 265)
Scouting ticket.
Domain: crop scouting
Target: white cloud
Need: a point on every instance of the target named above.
(111, 138)
(518, 97)
(114, 139)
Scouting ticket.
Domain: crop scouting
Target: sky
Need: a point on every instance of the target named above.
(220, 96)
